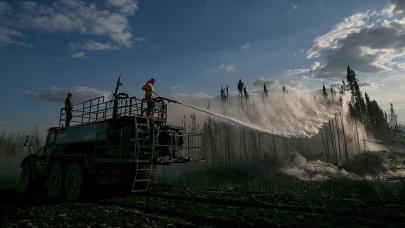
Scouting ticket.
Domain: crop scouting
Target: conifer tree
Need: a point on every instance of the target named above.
(370, 115)
(393, 122)
(324, 93)
(358, 102)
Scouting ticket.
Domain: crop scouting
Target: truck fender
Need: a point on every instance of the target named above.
(32, 161)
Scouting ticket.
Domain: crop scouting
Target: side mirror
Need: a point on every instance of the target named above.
(27, 141)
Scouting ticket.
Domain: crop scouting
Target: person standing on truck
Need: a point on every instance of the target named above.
(68, 109)
(149, 91)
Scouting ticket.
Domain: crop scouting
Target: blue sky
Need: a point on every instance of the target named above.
(190, 47)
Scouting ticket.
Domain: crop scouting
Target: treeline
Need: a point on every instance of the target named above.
(12, 144)
(367, 110)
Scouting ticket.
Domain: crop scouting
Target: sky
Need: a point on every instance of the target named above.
(48, 48)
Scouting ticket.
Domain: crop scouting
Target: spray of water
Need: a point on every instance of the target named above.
(297, 113)
(231, 119)
(287, 118)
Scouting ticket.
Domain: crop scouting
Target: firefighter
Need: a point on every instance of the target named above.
(68, 109)
(149, 91)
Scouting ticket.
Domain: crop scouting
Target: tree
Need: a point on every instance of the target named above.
(379, 123)
(358, 102)
(393, 121)
(324, 93)
(370, 115)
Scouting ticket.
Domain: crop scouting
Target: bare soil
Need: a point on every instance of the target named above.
(178, 206)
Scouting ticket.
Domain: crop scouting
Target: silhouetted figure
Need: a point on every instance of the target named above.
(240, 87)
(284, 89)
(227, 93)
(265, 90)
(68, 109)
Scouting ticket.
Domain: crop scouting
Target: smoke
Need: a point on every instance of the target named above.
(13, 149)
(314, 170)
(376, 165)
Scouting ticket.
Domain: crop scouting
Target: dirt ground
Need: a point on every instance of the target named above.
(178, 206)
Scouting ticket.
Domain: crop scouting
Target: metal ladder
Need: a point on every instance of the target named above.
(144, 155)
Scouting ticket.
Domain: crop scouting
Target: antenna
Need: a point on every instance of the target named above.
(117, 86)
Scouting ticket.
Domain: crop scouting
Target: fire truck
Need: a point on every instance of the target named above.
(116, 142)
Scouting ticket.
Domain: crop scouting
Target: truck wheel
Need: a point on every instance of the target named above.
(73, 182)
(25, 182)
(55, 181)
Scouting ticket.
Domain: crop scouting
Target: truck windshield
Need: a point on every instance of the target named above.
(51, 138)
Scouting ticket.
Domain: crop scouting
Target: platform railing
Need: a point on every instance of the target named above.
(99, 109)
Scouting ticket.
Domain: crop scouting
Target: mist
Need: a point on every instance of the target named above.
(299, 133)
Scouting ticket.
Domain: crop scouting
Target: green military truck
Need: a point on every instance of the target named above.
(110, 142)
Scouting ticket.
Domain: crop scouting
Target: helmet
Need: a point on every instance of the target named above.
(69, 94)
(152, 80)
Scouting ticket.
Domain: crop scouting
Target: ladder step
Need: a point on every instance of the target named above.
(142, 180)
(143, 161)
(144, 145)
(142, 190)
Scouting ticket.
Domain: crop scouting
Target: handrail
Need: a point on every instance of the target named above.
(98, 109)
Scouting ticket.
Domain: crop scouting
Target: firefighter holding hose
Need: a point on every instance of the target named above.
(149, 91)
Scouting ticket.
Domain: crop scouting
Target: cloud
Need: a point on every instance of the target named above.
(394, 7)
(58, 95)
(315, 66)
(305, 72)
(223, 68)
(298, 71)
(126, 7)
(293, 5)
(140, 39)
(371, 50)
(361, 84)
(246, 46)
(79, 55)
(109, 22)
(368, 41)
(227, 68)
(5, 8)
(194, 95)
(261, 81)
(91, 45)
(9, 35)
(349, 25)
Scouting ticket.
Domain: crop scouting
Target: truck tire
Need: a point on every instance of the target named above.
(54, 182)
(74, 182)
(25, 182)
